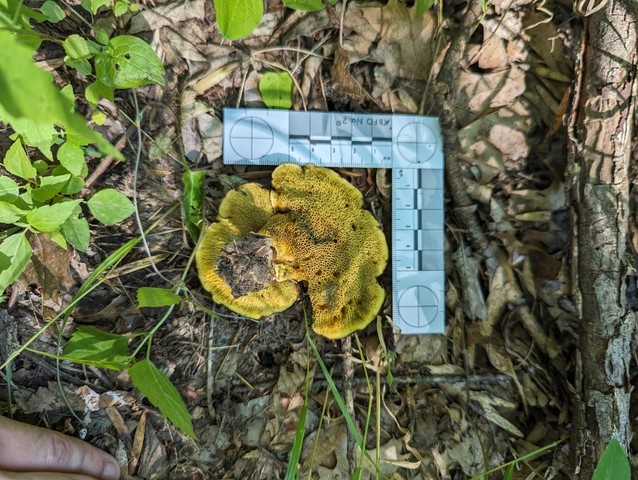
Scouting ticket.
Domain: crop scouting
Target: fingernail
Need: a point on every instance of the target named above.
(111, 471)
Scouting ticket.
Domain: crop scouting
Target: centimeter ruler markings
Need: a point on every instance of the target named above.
(410, 145)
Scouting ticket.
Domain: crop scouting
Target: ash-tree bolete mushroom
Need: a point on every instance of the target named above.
(229, 248)
(320, 234)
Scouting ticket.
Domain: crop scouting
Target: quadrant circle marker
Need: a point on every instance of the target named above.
(418, 306)
(416, 142)
(251, 138)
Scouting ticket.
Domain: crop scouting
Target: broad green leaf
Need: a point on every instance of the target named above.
(17, 250)
(238, 18)
(77, 233)
(35, 134)
(422, 6)
(49, 218)
(92, 346)
(75, 185)
(94, 5)
(129, 62)
(52, 11)
(71, 157)
(41, 167)
(110, 206)
(9, 189)
(162, 393)
(79, 48)
(276, 89)
(9, 213)
(28, 97)
(97, 90)
(49, 187)
(306, 5)
(156, 297)
(17, 162)
(14, 14)
(192, 202)
(613, 464)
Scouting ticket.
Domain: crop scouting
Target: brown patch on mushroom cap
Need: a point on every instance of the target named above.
(322, 235)
(242, 211)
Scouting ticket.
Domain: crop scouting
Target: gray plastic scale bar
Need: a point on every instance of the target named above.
(410, 145)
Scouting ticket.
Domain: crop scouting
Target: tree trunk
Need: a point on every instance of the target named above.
(601, 133)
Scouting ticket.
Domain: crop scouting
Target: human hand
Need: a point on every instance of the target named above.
(33, 453)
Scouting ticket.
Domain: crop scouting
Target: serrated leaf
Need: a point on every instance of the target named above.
(76, 231)
(71, 157)
(9, 213)
(92, 346)
(129, 62)
(238, 18)
(49, 218)
(9, 189)
(17, 163)
(156, 297)
(15, 253)
(306, 5)
(162, 393)
(110, 206)
(49, 187)
(192, 202)
(613, 464)
(52, 11)
(276, 89)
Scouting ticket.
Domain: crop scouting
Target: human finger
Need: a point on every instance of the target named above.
(26, 448)
(5, 475)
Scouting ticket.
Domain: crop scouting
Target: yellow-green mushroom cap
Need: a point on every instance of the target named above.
(242, 211)
(323, 236)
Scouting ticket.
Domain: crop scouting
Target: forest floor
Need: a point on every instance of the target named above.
(496, 386)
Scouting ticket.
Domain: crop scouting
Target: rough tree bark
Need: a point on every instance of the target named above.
(601, 133)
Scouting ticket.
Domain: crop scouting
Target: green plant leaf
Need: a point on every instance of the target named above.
(92, 346)
(120, 8)
(49, 218)
(162, 393)
(128, 62)
(276, 89)
(97, 90)
(306, 5)
(156, 297)
(9, 189)
(52, 11)
(76, 231)
(422, 6)
(9, 213)
(28, 97)
(17, 162)
(238, 18)
(192, 202)
(71, 157)
(15, 253)
(94, 5)
(78, 47)
(49, 187)
(75, 185)
(110, 206)
(613, 464)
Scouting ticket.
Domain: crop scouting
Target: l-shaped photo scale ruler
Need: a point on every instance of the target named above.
(410, 145)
